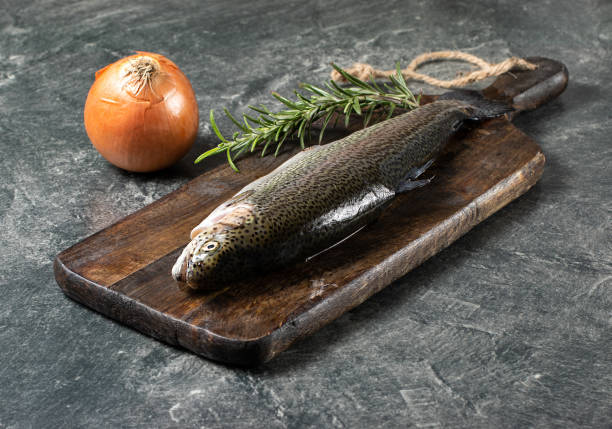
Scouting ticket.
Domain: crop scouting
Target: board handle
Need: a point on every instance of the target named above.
(524, 90)
(529, 89)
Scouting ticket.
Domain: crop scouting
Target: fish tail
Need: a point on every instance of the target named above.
(479, 106)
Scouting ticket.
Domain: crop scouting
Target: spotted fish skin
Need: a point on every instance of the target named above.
(317, 198)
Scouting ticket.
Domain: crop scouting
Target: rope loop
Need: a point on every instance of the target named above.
(366, 71)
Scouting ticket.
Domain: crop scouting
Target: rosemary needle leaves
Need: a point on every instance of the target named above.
(274, 128)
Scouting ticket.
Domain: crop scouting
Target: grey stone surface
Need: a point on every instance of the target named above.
(509, 327)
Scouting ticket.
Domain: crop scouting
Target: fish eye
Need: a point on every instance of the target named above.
(210, 246)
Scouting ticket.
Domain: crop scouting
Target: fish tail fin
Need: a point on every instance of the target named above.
(480, 107)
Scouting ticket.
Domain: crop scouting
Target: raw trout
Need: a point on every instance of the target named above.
(323, 194)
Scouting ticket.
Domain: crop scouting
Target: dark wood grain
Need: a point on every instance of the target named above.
(123, 271)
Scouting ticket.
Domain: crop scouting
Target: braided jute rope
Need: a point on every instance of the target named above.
(366, 71)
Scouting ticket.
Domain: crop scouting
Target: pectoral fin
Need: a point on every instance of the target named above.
(409, 182)
(415, 172)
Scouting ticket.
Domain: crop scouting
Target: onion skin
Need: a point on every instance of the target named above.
(141, 113)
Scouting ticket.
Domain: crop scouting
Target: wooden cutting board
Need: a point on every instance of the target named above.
(123, 271)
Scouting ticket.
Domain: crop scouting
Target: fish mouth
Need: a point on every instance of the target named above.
(185, 282)
(179, 269)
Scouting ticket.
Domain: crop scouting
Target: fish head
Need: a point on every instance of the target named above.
(204, 263)
(216, 253)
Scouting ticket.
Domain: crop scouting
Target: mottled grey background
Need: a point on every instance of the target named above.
(510, 326)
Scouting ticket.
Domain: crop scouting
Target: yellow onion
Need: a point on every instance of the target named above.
(141, 113)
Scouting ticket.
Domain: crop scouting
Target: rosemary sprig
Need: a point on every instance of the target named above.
(274, 128)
